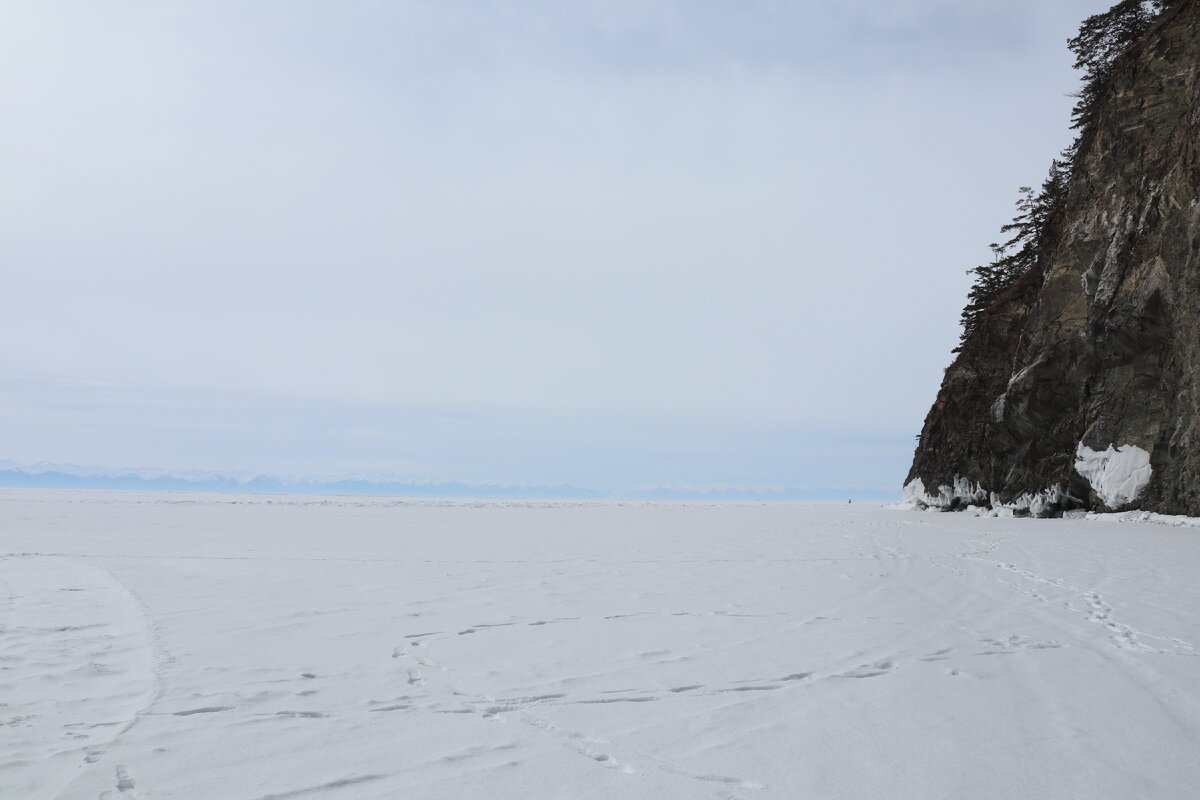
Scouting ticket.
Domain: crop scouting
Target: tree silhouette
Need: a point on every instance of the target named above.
(1101, 40)
(1019, 253)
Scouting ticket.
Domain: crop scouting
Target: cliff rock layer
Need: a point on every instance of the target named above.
(1080, 387)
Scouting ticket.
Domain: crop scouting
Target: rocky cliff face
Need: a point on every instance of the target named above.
(1080, 387)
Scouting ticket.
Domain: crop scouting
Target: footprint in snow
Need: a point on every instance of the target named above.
(125, 784)
(204, 710)
(1014, 644)
(872, 670)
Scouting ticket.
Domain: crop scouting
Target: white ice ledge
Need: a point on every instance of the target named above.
(1117, 475)
(965, 493)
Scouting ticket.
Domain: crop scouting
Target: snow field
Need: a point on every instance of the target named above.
(267, 648)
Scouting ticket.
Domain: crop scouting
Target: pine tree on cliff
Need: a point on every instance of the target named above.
(988, 284)
(1102, 38)
(1026, 230)
(1019, 253)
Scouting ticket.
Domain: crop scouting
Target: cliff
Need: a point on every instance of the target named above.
(1080, 386)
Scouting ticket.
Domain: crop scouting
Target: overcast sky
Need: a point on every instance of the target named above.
(607, 244)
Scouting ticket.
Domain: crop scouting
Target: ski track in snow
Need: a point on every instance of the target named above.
(270, 649)
(77, 670)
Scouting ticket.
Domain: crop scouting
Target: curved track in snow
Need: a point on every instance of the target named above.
(77, 670)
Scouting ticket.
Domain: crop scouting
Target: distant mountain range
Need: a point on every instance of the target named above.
(70, 476)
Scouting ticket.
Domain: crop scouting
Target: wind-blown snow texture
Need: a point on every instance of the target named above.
(246, 648)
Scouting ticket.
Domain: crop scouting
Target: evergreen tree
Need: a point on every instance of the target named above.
(983, 293)
(1102, 38)
(1019, 253)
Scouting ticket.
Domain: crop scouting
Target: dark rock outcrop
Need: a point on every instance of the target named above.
(1099, 345)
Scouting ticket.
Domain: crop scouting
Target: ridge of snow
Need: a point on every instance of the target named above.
(1148, 517)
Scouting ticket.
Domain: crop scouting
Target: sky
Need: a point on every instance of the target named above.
(607, 244)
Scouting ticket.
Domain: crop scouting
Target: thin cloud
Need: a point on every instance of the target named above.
(716, 220)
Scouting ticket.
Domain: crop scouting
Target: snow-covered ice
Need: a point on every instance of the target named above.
(261, 648)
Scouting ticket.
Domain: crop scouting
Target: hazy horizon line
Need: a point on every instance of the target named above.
(50, 475)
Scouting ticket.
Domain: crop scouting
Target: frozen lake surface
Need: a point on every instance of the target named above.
(262, 648)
